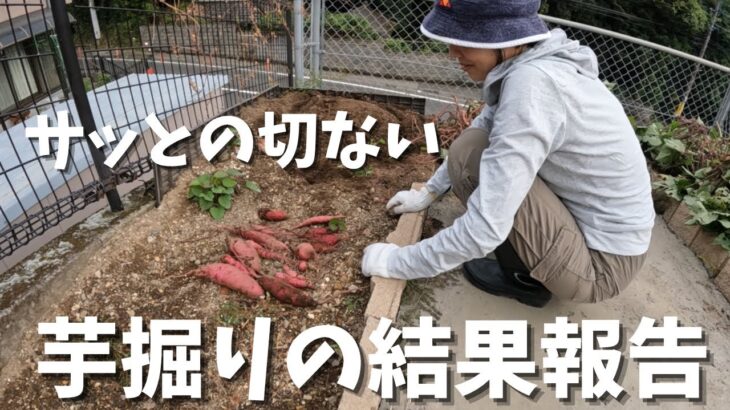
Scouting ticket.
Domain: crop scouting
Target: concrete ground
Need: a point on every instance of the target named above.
(672, 283)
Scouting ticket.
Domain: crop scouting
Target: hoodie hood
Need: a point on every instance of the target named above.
(557, 48)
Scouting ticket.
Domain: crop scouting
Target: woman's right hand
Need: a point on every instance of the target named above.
(410, 201)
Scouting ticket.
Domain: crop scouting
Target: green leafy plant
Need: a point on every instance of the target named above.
(336, 225)
(397, 45)
(231, 313)
(95, 82)
(675, 187)
(349, 26)
(663, 145)
(236, 141)
(435, 47)
(696, 162)
(685, 143)
(214, 192)
(252, 186)
(352, 303)
(272, 21)
(363, 172)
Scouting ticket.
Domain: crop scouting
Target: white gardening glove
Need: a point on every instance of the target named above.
(375, 259)
(410, 201)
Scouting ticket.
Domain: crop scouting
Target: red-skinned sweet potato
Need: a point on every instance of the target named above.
(244, 252)
(273, 215)
(298, 282)
(322, 219)
(330, 239)
(286, 293)
(265, 240)
(289, 271)
(235, 262)
(230, 277)
(305, 251)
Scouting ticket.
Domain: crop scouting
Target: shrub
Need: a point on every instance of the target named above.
(349, 26)
(435, 47)
(271, 21)
(695, 160)
(397, 45)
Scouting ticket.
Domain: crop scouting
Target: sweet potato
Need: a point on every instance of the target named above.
(265, 253)
(330, 239)
(280, 234)
(286, 293)
(244, 252)
(305, 251)
(318, 230)
(273, 215)
(262, 228)
(322, 219)
(265, 240)
(272, 256)
(235, 262)
(302, 266)
(299, 282)
(230, 277)
(289, 271)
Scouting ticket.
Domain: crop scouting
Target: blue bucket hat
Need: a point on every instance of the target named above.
(485, 23)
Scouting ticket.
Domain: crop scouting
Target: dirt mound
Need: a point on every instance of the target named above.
(140, 272)
(326, 107)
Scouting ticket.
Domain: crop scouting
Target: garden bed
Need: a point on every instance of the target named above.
(140, 272)
(690, 175)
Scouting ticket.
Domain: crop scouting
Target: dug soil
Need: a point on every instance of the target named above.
(140, 270)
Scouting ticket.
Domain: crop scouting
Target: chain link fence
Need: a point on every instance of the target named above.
(377, 44)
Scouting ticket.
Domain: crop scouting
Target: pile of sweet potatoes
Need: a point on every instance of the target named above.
(241, 268)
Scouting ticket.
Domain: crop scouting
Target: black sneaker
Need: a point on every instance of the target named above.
(487, 275)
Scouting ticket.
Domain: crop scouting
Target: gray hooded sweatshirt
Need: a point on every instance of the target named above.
(547, 114)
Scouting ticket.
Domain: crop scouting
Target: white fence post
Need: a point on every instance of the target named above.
(314, 32)
(298, 43)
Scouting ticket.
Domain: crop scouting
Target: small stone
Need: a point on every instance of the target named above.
(130, 312)
(97, 274)
(150, 239)
(308, 397)
(326, 278)
(310, 315)
(353, 288)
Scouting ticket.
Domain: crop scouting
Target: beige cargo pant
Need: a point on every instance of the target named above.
(545, 235)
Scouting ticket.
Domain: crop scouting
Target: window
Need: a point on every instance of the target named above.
(44, 63)
(26, 70)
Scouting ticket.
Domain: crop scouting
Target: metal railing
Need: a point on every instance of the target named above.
(186, 66)
(378, 44)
